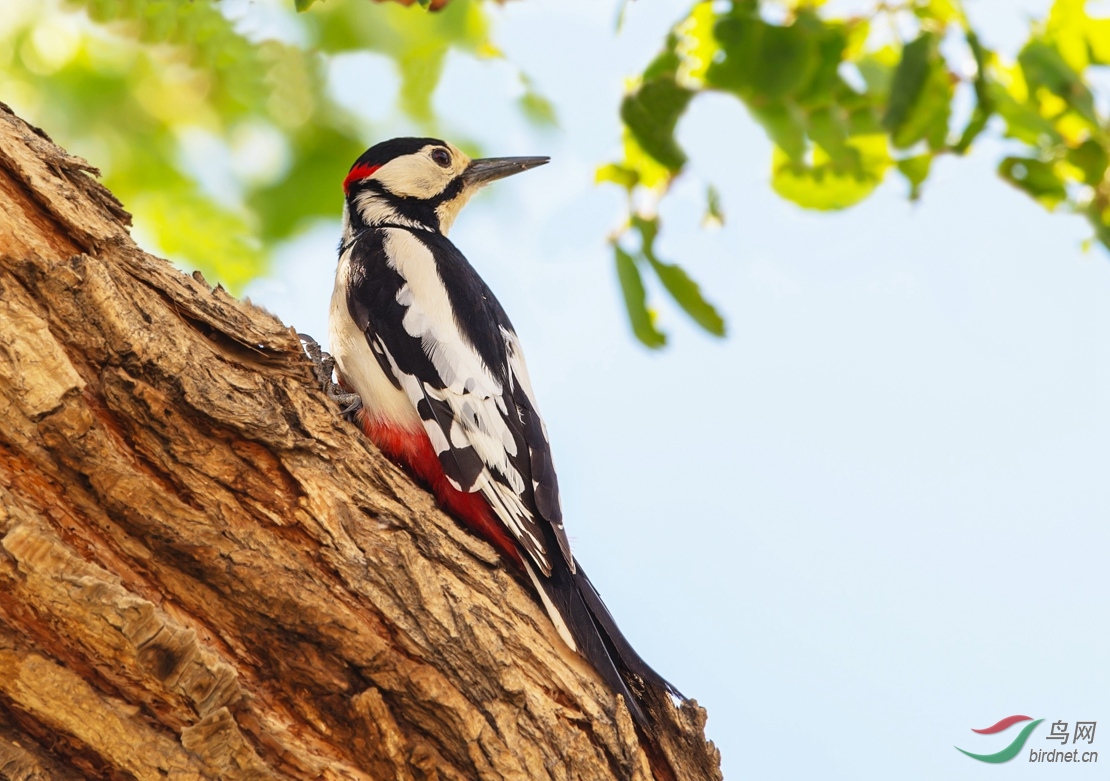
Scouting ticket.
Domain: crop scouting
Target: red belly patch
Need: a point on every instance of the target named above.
(413, 451)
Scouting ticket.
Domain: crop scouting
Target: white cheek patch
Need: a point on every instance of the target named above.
(413, 176)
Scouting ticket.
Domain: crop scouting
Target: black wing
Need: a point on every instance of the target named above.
(441, 335)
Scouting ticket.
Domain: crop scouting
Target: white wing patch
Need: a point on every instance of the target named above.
(430, 318)
(465, 420)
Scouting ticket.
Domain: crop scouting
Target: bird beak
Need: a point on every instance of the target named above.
(488, 169)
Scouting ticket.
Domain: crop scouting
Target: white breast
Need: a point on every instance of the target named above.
(358, 366)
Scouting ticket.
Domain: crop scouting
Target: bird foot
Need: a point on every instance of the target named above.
(323, 366)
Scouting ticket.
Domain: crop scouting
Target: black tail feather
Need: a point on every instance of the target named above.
(599, 639)
(630, 661)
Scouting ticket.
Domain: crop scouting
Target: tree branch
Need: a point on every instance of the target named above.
(205, 573)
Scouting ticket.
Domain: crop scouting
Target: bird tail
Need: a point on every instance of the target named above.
(588, 627)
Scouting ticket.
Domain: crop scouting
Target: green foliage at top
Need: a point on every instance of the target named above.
(138, 86)
(162, 92)
(845, 101)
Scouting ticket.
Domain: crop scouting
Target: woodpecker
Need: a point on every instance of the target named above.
(437, 366)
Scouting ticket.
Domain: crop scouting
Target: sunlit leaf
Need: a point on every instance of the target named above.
(617, 174)
(695, 45)
(1098, 41)
(1067, 27)
(649, 172)
(826, 185)
(943, 11)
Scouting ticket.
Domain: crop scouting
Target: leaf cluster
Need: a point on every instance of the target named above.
(846, 100)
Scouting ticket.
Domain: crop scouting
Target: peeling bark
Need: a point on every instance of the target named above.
(205, 573)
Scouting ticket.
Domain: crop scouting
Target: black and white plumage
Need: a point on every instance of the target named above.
(422, 340)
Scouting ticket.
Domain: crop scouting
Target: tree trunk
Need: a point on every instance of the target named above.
(205, 573)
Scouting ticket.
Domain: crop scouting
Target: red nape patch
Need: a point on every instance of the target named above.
(359, 172)
(413, 451)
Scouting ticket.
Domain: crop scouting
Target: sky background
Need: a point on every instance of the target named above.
(873, 517)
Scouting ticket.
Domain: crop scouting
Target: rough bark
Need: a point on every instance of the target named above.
(206, 573)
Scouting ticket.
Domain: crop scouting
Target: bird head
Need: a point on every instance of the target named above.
(422, 182)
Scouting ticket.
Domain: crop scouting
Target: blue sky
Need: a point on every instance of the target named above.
(873, 517)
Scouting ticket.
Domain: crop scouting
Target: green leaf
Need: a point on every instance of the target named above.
(1092, 159)
(1045, 67)
(763, 62)
(785, 126)
(976, 125)
(665, 64)
(828, 130)
(916, 171)
(648, 228)
(1036, 177)
(909, 80)
(921, 96)
(302, 5)
(635, 300)
(686, 292)
(651, 114)
(677, 282)
(787, 58)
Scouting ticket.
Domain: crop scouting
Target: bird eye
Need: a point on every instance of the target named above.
(441, 157)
